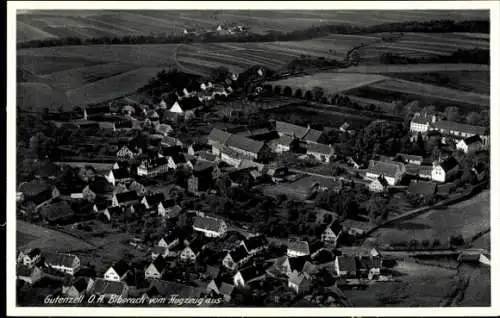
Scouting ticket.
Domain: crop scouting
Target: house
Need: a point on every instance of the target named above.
(316, 247)
(248, 275)
(299, 282)
(425, 172)
(297, 248)
(159, 251)
(411, 159)
(113, 212)
(38, 192)
(81, 286)
(345, 266)
(169, 141)
(345, 127)
(445, 170)
(169, 241)
(369, 266)
(255, 244)
(302, 133)
(392, 171)
(121, 175)
(138, 188)
(479, 171)
(332, 233)
(276, 173)
(470, 144)
(354, 162)
(245, 146)
(424, 189)
(108, 288)
(117, 272)
(59, 212)
(359, 251)
(474, 256)
(30, 275)
(167, 210)
(209, 226)
(153, 200)
(321, 152)
(226, 290)
(421, 123)
(30, 258)
(459, 130)
(378, 185)
(125, 199)
(93, 112)
(85, 194)
(236, 257)
(156, 269)
(153, 167)
(66, 263)
(191, 251)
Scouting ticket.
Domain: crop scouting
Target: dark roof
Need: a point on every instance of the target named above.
(179, 158)
(56, 211)
(472, 139)
(424, 188)
(127, 196)
(449, 164)
(100, 185)
(219, 136)
(297, 263)
(168, 288)
(207, 156)
(238, 253)
(203, 165)
(285, 140)
(98, 110)
(335, 227)
(34, 188)
(121, 173)
(450, 125)
(252, 272)
(60, 259)
(324, 256)
(320, 148)
(197, 244)
(102, 286)
(81, 284)
(34, 252)
(159, 263)
(291, 129)
(313, 135)
(154, 199)
(243, 143)
(407, 157)
(120, 267)
(382, 181)
(116, 210)
(171, 150)
(256, 242)
(152, 291)
(422, 119)
(316, 246)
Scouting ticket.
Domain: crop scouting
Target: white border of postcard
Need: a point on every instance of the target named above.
(12, 6)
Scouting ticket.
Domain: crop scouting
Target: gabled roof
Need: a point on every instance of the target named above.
(120, 267)
(252, 272)
(121, 173)
(312, 135)
(219, 136)
(226, 289)
(336, 227)
(408, 157)
(34, 188)
(116, 210)
(386, 168)
(299, 246)
(320, 148)
(207, 156)
(203, 165)
(291, 129)
(243, 143)
(81, 284)
(284, 140)
(449, 164)
(179, 158)
(168, 288)
(159, 263)
(297, 278)
(60, 259)
(422, 119)
(98, 110)
(102, 286)
(154, 199)
(472, 139)
(451, 125)
(207, 223)
(238, 253)
(34, 252)
(382, 181)
(424, 188)
(297, 263)
(256, 242)
(127, 196)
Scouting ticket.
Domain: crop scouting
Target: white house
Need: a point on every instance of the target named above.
(443, 171)
(209, 226)
(332, 233)
(30, 258)
(421, 123)
(156, 269)
(117, 272)
(470, 144)
(66, 263)
(176, 108)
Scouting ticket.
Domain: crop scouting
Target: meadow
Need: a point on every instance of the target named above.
(33, 25)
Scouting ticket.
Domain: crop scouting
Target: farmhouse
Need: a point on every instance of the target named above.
(306, 134)
(156, 269)
(297, 248)
(125, 199)
(284, 143)
(245, 146)
(31, 257)
(66, 263)
(236, 257)
(445, 170)
(470, 144)
(458, 130)
(117, 272)
(421, 123)
(38, 192)
(321, 152)
(191, 251)
(248, 275)
(390, 170)
(209, 226)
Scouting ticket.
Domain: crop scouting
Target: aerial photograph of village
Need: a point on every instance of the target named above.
(247, 158)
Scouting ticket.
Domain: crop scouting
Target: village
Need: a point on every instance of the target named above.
(218, 201)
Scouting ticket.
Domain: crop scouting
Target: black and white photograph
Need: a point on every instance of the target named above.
(207, 157)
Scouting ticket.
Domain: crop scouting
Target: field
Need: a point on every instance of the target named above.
(331, 82)
(427, 94)
(33, 25)
(466, 218)
(32, 236)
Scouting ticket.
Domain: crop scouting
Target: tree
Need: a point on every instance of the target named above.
(219, 74)
(298, 93)
(277, 90)
(287, 91)
(376, 207)
(318, 93)
(308, 96)
(473, 118)
(452, 113)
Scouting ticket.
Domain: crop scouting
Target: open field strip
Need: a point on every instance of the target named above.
(413, 68)
(427, 90)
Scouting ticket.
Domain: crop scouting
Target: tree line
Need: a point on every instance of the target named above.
(476, 55)
(433, 26)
